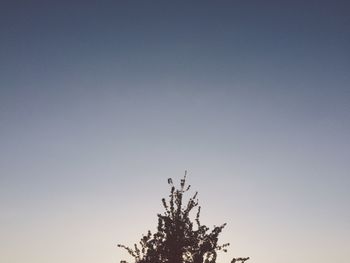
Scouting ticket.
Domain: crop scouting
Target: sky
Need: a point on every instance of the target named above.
(102, 101)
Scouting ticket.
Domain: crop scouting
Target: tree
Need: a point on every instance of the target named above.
(178, 239)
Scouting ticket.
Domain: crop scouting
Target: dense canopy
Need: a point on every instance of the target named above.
(179, 239)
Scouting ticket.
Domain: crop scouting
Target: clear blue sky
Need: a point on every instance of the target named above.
(102, 101)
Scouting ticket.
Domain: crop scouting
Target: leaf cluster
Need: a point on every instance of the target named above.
(178, 239)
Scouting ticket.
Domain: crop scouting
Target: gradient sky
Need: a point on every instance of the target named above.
(102, 101)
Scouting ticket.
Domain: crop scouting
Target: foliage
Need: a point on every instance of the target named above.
(178, 239)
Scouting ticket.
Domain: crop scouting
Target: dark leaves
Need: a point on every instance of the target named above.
(176, 240)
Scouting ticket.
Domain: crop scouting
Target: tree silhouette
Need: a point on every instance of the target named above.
(178, 239)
